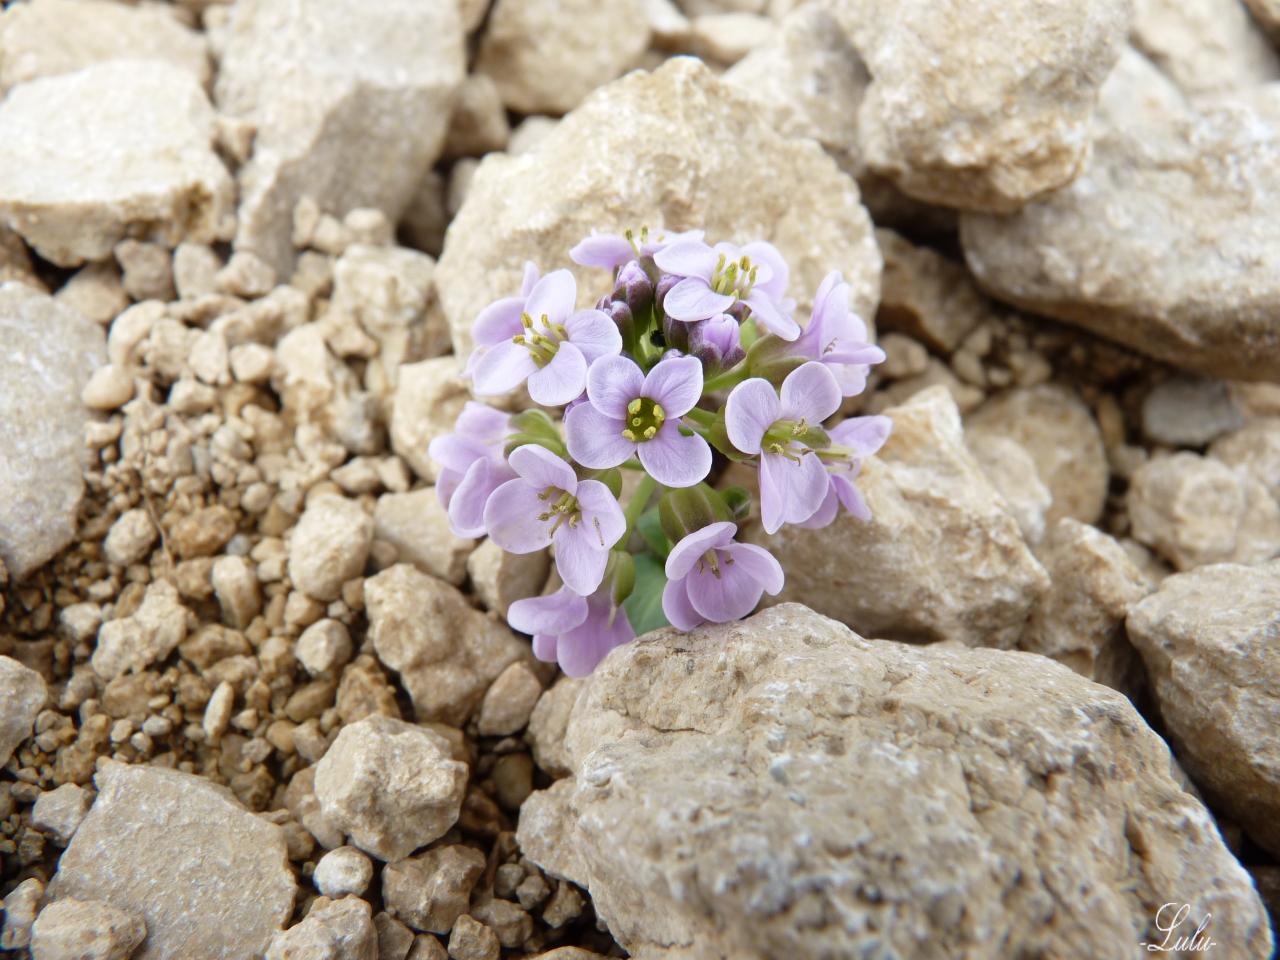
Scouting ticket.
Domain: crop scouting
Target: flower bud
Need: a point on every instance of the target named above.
(716, 342)
(663, 287)
(634, 287)
(675, 333)
(622, 316)
(687, 509)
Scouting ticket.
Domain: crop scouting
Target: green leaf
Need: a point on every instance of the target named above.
(644, 606)
(650, 527)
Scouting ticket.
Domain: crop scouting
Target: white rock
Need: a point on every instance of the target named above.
(329, 546)
(150, 834)
(71, 929)
(235, 584)
(479, 122)
(499, 578)
(589, 42)
(60, 811)
(723, 169)
(390, 785)
(324, 647)
(428, 399)
(549, 723)
(912, 793)
(1187, 412)
(148, 635)
(45, 38)
(727, 37)
(20, 906)
(130, 537)
(430, 891)
(48, 357)
(147, 269)
(416, 524)
(1013, 473)
(22, 697)
(343, 871)
(117, 149)
(350, 130)
(338, 930)
(110, 387)
(1255, 449)
(509, 702)
(1204, 46)
(942, 557)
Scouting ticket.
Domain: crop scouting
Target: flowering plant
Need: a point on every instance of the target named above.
(692, 361)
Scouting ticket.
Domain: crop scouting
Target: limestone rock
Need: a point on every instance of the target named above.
(49, 354)
(926, 295)
(120, 148)
(1255, 449)
(549, 723)
(1060, 433)
(416, 524)
(1195, 510)
(589, 42)
(499, 578)
(428, 399)
(131, 536)
(336, 930)
(207, 877)
(1164, 243)
(700, 156)
(1080, 620)
(350, 131)
(324, 646)
(60, 811)
(446, 652)
(1204, 46)
(509, 702)
(903, 801)
(1186, 412)
(148, 635)
(1208, 638)
(390, 785)
(942, 557)
(1014, 475)
(72, 929)
(330, 545)
(45, 38)
(343, 871)
(20, 906)
(479, 122)
(430, 891)
(982, 105)
(1267, 14)
(22, 697)
(472, 940)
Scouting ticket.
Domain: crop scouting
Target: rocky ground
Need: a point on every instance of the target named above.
(257, 700)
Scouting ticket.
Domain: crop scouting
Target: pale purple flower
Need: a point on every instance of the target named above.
(837, 337)
(630, 414)
(472, 465)
(542, 340)
(715, 278)
(546, 504)
(793, 482)
(494, 318)
(852, 441)
(576, 632)
(717, 341)
(611, 250)
(712, 577)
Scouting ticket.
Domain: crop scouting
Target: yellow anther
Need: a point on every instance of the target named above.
(630, 435)
(636, 421)
(650, 432)
(658, 413)
(634, 406)
(526, 320)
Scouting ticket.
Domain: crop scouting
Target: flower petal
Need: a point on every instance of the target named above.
(502, 368)
(466, 507)
(561, 380)
(685, 554)
(810, 393)
(511, 517)
(687, 258)
(808, 487)
(581, 649)
(851, 497)
(595, 440)
(751, 410)
(676, 384)
(675, 604)
(580, 562)
(826, 513)
(764, 309)
(724, 597)
(607, 250)
(552, 297)
(541, 468)
(773, 281)
(612, 383)
(544, 647)
(863, 435)
(498, 321)
(556, 613)
(530, 279)
(594, 333)
(456, 451)
(773, 492)
(675, 460)
(483, 422)
(851, 378)
(602, 518)
(693, 299)
(762, 565)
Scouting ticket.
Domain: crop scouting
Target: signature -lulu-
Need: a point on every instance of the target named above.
(1170, 920)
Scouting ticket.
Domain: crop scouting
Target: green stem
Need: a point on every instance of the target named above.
(632, 464)
(730, 378)
(639, 500)
(704, 418)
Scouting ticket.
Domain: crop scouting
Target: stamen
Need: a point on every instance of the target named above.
(650, 432)
(634, 406)
(629, 435)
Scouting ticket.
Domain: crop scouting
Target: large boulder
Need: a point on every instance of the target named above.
(781, 787)
(49, 354)
(1167, 241)
(675, 148)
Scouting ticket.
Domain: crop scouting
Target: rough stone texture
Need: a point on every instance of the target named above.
(549, 723)
(499, 578)
(446, 652)
(982, 105)
(860, 798)
(926, 295)
(49, 354)
(1164, 243)
(942, 557)
(1204, 46)
(148, 635)
(479, 123)
(22, 697)
(120, 148)
(48, 37)
(1060, 433)
(1080, 620)
(417, 525)
(1194, 510)
(85, 930)
(430, 891)
(428, 399)
(1267, 14)
(330, 546)
(1209, 640)
(1255, 449)
(509, 702)
(349, 131)
(390, 785)
(342, 871)
(1186, 412)
(20, 906)
(699, 155)
(589, 43)
(472, 940)
(336, 930)
(1014, 475)
(60, 811)
(150, 835)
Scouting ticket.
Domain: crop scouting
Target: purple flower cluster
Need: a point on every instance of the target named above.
(692, 360)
